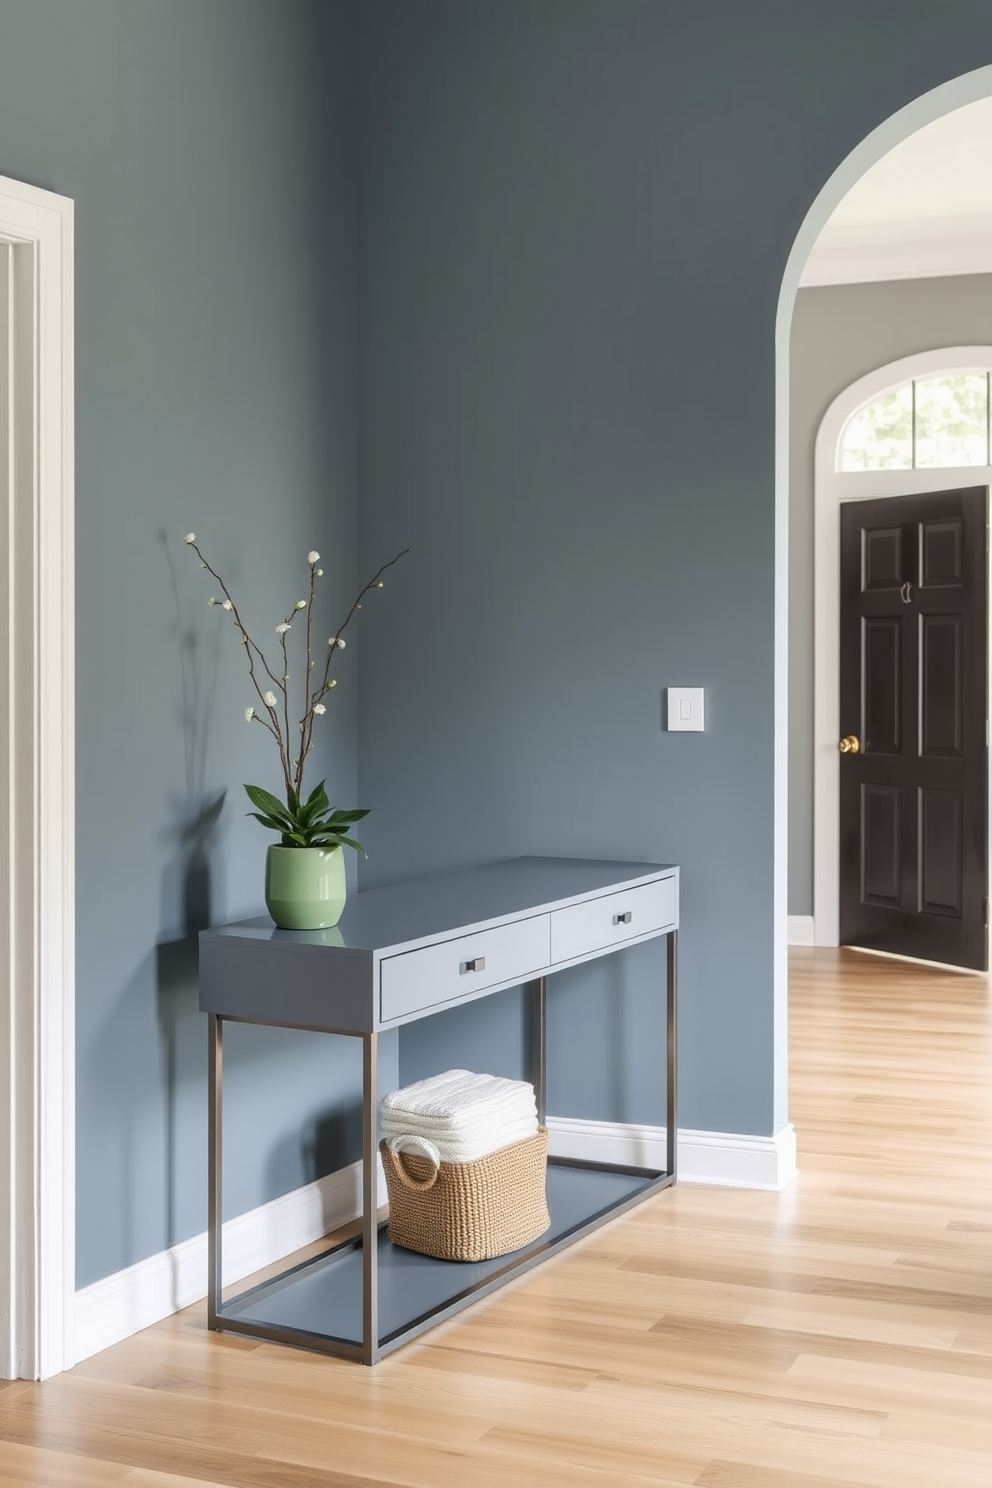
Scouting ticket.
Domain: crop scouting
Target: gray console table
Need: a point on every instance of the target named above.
(399, 954)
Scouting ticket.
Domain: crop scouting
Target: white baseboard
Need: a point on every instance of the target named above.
(702, 1157)
(145, 1293)
(801, 931)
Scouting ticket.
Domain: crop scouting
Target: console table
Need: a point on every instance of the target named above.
(399, 954)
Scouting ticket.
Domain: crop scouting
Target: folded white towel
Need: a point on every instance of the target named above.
(441, 1150)
(467, 1131)
(463, 1115)
(466, 1149)
(458, 1098)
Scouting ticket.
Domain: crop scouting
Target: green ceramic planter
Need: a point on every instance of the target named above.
(305, 886)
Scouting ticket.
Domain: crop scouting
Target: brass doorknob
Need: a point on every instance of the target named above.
(850, 745)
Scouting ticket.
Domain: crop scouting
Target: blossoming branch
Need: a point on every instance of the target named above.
(271, 681)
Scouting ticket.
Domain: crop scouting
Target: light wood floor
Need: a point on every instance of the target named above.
(836, 1334)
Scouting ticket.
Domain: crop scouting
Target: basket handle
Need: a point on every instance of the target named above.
(394, 1149)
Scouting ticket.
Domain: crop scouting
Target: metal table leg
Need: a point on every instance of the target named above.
(215, 1216)
(370, 1196)
(671, 1122)
(539, 1053)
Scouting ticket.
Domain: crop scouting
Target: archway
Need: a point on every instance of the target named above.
(952, 95)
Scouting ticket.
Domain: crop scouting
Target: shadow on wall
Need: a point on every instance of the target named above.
(142, 1081)
(186, 882)
(328, 1141)
(183, 1034)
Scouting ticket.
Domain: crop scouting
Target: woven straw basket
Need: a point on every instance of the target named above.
(468, 1211)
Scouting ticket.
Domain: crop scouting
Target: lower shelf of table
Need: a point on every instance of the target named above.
(319, 1303)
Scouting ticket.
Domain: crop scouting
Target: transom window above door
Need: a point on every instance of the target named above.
(934, 422)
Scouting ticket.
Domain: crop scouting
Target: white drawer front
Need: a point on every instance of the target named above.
(442, 973)
(601, 923)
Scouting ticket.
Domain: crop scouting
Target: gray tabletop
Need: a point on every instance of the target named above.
(327, 978)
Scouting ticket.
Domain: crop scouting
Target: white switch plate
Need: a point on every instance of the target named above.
(685, 710)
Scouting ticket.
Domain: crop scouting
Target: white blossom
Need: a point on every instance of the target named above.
(338, 641)
(313, 557)
(319, 708)
(190, 537)
(269, 700)
(282, 629)
(227, 605)
(319, 572)
(249, 714)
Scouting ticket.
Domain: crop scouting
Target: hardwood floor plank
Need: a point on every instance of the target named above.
(974, 1433)
(887, 1387)
(21, 1464)
(754, 1344)
(143, 1477)
(718, 1474)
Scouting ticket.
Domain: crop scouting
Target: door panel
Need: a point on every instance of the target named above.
(941, 554)
(913, 833)
(941, 686)
(881, 651)
(882, 558)
(881, 845)
(942, 852)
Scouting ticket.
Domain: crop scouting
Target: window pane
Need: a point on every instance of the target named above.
(880, 437)
(952, 420)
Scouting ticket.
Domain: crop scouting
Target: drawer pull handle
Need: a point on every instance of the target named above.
(479, 964)
(623, 919)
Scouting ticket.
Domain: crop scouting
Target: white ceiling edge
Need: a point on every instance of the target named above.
(900, 250)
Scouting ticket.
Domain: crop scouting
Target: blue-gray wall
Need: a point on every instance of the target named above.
(839, 333)
(209, 146)
(576, 216)
(567, 221)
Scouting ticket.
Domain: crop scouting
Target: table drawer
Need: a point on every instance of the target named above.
(436, 974)
(600, 924)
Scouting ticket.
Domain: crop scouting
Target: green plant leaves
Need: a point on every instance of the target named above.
(268, 821)
(311, 823)
(338, 839)
(267, 803)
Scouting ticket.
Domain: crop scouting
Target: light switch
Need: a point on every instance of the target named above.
(685, 710)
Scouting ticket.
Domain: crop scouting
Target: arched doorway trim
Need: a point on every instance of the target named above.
(831, 487)
(949, 96)
(37, 801)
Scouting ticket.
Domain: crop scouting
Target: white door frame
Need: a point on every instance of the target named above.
(831, 487)
(37, 799)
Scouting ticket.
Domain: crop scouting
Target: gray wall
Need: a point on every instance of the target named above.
(840, 333)
(209, 147)
(576, 216)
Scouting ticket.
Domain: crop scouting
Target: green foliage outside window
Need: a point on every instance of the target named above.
(934, 422)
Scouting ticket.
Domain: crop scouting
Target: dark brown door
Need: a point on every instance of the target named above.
(913, 781)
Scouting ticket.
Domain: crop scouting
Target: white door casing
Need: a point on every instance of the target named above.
(831, 487)
(37, 803)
